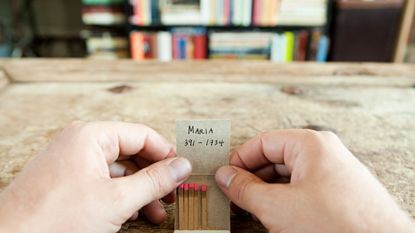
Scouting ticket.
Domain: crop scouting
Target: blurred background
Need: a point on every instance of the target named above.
(276, 30)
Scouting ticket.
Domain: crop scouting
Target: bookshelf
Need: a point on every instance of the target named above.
(225, 29)
(105, 33)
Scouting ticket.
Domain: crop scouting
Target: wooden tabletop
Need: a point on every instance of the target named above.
(370, 106)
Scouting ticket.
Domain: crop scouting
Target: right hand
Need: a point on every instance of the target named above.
(329, 190)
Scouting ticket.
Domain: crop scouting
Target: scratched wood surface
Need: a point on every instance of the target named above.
(370, 106)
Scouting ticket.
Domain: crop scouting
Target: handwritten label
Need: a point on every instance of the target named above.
(204, 142)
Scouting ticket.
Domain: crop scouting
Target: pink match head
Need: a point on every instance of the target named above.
(203, 188)
(181, 186)
(191, 186)
(186, 186)
(196, 187)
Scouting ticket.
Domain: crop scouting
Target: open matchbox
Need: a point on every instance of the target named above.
(201, 206)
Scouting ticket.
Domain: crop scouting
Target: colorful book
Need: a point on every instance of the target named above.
(289, 46)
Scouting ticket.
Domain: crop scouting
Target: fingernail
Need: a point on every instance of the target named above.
(180, 168)
(225, 175)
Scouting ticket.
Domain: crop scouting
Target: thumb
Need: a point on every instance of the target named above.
(152, 183)
(247, 190)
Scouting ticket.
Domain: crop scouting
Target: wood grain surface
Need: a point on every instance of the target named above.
(370, 106)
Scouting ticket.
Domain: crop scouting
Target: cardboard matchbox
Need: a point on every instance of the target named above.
(206, 144)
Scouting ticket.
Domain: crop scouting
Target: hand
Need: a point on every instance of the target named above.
(329, 190)
(92, 178)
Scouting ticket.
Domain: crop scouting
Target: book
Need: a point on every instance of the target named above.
(181, 12)
(289, 46)
(137, 46)
(240, 45)
(179, 44)
(247, 12)
(103, 2)
(107, 46)
(103, 15)
(323, 47)
(164, 42)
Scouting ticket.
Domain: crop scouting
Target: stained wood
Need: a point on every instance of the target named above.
(370, 106)
(405, 29)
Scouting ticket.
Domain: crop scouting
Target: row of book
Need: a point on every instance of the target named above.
(103, 12)
(230, 12)
(179, 44)
(193, 43)
(106, 45)
(279, 47)
(103, 39)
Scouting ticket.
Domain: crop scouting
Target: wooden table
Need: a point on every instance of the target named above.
(370, 106)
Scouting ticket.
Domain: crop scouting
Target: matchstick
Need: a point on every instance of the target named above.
(204, 207)
(180, 206)
(186, 207)
(191, 205)
(196, 207)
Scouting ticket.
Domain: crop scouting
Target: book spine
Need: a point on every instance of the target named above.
(247, 12)
(175, 42)
(205, 11)
(181, 48)
(155, 12)
(213, 9)
(164, 44)
(190, 50)
(200, 46)
(273, 12)
(138, 13)
(235, 20)
(322, 49)
(257, 12)
(147, 46)
(149, 12)
(219, 11)
(303, 42)
(136, 42)
(289, 44)
(274, 48)
(226, 12)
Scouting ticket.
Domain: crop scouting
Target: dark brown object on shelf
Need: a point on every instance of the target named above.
(365, 30)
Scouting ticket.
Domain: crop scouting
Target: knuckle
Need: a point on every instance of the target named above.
(156, 181)
(329, 134)
(243, 190)
(73, 125)
(311, 134)
(87, 129)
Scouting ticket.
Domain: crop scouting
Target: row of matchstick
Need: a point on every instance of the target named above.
(192, 207)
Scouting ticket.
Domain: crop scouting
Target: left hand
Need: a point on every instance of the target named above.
(92, 178)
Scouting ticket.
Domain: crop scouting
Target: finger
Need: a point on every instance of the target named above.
(244, 189)
(126, 139)
(236, 209)
(142, 163)
(151, 183)
(267, 173)
(170, 198)
(282, 170)
(154, 212)
(276, 147)
(134, 217)
(122, 168)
